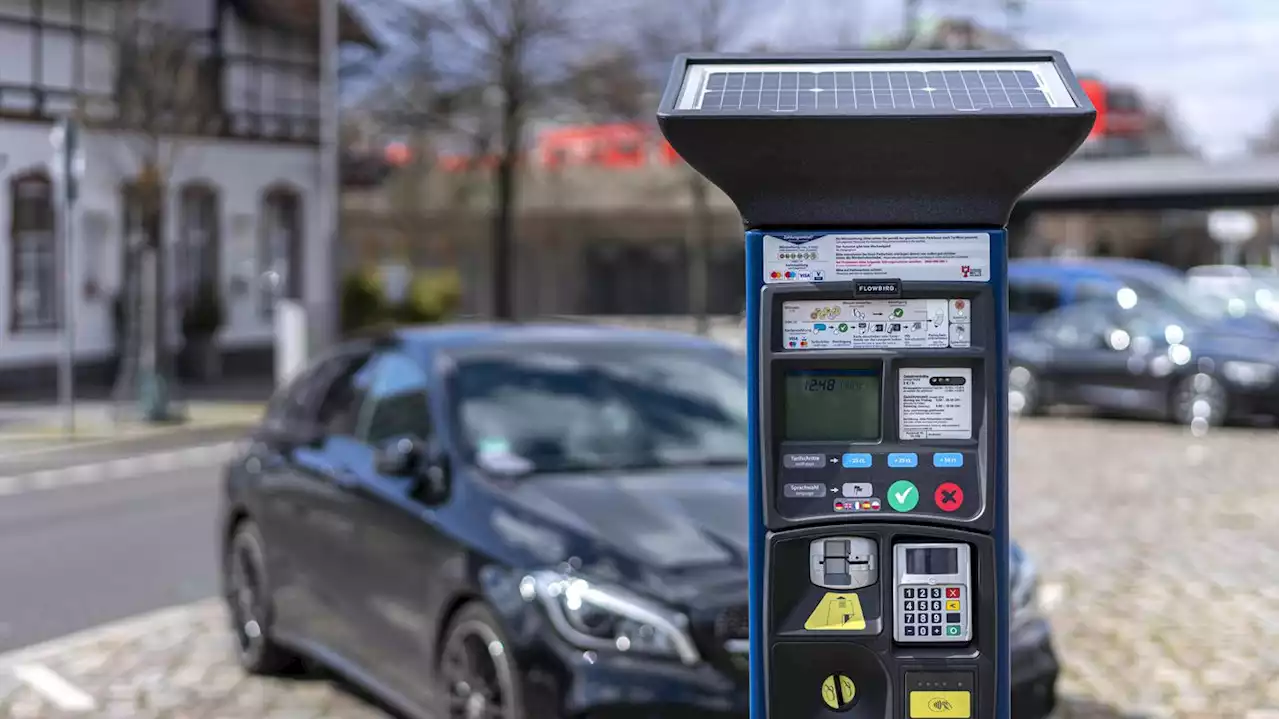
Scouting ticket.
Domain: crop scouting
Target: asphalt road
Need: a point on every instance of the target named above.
(78, 556)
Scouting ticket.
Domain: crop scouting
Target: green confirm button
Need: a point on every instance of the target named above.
(903, 496)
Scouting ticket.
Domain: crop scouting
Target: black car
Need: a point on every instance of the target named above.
(1145, 359)
(516, 522)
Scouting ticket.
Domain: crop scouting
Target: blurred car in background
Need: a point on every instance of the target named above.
(1147, 359)
(519, 522)
(1038, 286)
(1243, 290)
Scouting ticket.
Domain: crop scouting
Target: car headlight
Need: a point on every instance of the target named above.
(602, 617)
(1249, 374)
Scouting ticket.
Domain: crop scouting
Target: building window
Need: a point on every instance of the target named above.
(34, 261)
(280, 253)
(199, 240)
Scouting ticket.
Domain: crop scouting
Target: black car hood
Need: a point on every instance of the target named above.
(679, 535)
(676, 535)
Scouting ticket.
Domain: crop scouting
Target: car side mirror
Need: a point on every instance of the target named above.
(414, 459)
(399, 457)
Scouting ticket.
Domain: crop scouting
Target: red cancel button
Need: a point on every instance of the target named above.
(948, 496)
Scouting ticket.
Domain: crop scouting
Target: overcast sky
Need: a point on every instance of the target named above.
(1215, 60)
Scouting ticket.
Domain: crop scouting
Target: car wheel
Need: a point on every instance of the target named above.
(1198, 400)
(476, 671)
(1024, 392)
(247, 593)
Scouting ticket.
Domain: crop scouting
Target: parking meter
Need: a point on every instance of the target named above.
(875, 189)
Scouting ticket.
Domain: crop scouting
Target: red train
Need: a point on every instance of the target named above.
(1121, 112)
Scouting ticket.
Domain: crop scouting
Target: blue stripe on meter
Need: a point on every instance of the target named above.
(903, 459)
(948, 459)
(854, 460)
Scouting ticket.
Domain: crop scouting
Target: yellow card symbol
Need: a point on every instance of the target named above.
(940, 705)
(837, 612)
(838, 691)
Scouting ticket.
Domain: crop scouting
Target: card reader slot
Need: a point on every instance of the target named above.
(842, 563)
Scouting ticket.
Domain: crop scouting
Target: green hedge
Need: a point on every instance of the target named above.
(432, 296)
(363, 301)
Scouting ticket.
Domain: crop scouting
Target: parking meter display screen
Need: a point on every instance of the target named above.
(831, 405)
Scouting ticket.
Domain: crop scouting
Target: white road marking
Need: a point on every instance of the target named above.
(116, 469)
(48, 683)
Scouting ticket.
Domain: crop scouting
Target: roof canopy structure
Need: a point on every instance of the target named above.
(1158, 183)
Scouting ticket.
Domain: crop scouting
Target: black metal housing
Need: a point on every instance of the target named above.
(890, 169)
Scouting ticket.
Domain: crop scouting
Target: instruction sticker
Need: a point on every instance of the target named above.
(837, 611)
(859, 324)
(928, 256)
(935, 403)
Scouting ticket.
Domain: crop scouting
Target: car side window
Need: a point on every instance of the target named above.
(1033, 298)
(338, 409)
(1076, 327)
(396, 405)
(1093, 291)
(289, 404)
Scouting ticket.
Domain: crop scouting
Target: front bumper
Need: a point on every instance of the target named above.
(563, 682)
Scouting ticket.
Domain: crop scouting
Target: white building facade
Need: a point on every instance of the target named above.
(241, 198)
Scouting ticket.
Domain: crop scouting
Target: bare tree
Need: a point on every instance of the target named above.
(164, 89)
(663, 32)
(484, 66)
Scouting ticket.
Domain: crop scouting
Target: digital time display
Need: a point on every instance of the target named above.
(831, 405)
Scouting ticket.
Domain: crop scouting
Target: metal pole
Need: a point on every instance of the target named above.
(323, 325)
(66, 364)
(67, 168)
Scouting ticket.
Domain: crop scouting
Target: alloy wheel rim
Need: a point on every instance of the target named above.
(476, 675)
(1022, 390)
(244, 594)
(1200, 399)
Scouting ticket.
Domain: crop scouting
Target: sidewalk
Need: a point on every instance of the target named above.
(98, 421)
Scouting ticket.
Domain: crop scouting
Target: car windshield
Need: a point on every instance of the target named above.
(1175, 296)
(585, 408)
(1241, 295)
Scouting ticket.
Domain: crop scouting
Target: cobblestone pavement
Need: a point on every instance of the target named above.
(175, 664)
(1158, 553)
(1143, 534)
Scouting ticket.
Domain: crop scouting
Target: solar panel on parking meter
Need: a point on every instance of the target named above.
(875, 188)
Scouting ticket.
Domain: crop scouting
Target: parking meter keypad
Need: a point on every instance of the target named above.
(937, 612)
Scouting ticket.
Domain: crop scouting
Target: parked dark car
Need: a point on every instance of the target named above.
(517, 522)
(1038, 286)
(1147, 360)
